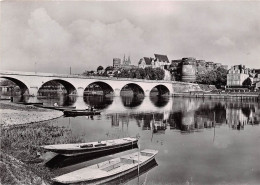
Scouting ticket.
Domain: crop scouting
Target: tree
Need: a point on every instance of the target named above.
(148, 73)
(247, 82)
(109, 68)
(159, 73)
(140, 73)
(100, 68)
(207, 78)
(216, 77)
(221, 77)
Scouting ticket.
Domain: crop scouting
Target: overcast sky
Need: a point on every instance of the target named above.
(84, 35)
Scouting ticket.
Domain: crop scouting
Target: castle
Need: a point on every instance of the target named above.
(184, 69)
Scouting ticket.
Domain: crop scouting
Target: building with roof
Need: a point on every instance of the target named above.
(237, 75)
(160, 61)
(145, 62)
(256, 75)
(257, 86)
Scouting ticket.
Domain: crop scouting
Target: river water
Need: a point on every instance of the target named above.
(200, 141)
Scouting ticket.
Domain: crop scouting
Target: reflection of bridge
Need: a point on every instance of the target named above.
(30, 83)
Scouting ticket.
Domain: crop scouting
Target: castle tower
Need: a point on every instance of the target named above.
(188, 70)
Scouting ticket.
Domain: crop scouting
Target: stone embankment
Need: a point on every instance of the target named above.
(223, 96)
(181, 87)
(16, 114)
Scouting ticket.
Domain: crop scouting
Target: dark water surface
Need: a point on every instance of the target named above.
(192, 148)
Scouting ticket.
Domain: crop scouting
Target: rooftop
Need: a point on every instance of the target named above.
(162, 58)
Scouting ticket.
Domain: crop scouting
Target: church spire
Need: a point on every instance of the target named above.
(128, 60)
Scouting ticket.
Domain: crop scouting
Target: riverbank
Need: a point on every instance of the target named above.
(17, 114)
(224, 96)
(20, 162)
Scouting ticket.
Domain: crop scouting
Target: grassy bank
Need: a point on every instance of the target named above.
(21, 161)
(22, 143)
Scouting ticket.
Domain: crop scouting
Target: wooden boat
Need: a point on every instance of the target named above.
(5, 98)
(60, 161)
(134, 174)
(91, 147)
(81, 112)
(108, 170)
(61, 108)
(31, 103)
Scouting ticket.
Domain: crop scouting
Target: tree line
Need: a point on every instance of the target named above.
(217, 77)
(147, 73)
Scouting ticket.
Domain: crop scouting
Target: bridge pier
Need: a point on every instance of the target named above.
(147, 93)
(117, 92)
(33, 91)
(80, 91)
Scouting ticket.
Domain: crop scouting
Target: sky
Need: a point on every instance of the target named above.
(51, 37)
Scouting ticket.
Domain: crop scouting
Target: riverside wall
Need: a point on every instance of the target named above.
(181, 87)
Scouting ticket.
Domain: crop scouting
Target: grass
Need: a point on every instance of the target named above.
(23, 143)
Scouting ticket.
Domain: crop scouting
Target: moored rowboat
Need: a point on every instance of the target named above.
(91, 147)
(108, 170)
(80, 112)
(30, 103)
(61, 108)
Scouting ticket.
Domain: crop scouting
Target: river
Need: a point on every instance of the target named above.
(200, 141)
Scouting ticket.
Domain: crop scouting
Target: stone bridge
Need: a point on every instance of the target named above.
(31, 82)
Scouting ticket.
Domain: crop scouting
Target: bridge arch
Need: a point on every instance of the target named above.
(99, 88)
(160, 90)
(67, 85)
(131, 89)
(159, 101)
(23, 87)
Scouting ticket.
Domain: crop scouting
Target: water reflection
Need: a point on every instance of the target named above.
(159, 101)
(131, 101)
(186, 115)
(62, 100)
(99, 102)
(196, 138)
(192, 116)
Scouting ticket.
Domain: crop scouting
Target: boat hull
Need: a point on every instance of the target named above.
(91, 150)
(30, 103)
(107, 179)
(61, 108)
(80, 113)
(95, 175)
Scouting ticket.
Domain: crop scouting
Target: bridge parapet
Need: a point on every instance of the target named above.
(19, 73)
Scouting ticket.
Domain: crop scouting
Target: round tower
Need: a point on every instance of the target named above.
(188, 69)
